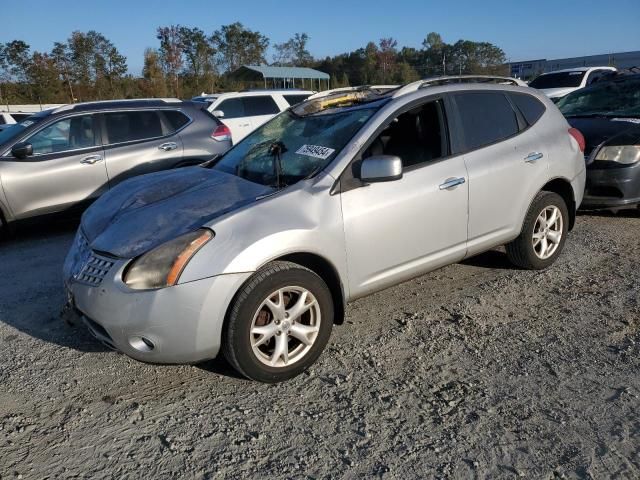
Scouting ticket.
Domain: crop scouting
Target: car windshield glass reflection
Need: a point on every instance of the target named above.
(614, 99)
(292, 147)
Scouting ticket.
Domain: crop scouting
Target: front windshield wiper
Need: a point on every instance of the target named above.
(276, 149)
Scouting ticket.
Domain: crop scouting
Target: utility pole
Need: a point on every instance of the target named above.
(444, 63)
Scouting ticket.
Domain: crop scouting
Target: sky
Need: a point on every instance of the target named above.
(524, 29)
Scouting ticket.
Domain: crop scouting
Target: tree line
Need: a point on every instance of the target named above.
(187, 61)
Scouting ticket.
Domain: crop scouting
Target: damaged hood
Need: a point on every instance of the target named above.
(146, 211)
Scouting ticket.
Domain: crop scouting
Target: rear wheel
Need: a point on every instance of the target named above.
(279, 323)
(543, 233)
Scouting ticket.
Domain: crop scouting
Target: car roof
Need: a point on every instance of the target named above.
(580, 69)
(117, 104)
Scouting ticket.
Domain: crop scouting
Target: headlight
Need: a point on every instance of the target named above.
(626, 154)
(162, 266)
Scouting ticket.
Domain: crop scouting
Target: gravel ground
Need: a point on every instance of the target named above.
(477, 370)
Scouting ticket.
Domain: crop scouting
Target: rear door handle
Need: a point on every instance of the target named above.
(91, 159)
(451, 182)
(533, 157)
(168, 146)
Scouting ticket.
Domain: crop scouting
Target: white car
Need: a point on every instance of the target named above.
(9, 118)
(243, 112)
(556, 85)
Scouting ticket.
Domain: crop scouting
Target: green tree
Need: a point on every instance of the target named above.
(171, 50)
(198, 53)
(236, 46)
(293, 52)
(154, 84)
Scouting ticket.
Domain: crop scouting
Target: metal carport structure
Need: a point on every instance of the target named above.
(282, 77)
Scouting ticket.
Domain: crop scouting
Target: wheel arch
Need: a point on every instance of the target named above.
(325, 270)
(563, 187)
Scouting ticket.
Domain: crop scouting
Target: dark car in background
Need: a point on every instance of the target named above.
(608, 115)
(68, 156)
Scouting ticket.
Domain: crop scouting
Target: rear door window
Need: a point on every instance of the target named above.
(130, 126)
(530, 107)
(232, 108)
(71, 133)
(176, 119)
(486, 117)
(260, 105)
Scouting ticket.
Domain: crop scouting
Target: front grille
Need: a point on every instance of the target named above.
(94, 269)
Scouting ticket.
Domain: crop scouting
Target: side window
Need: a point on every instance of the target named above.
(416, 136)
(295, 99)
(176, 119)
(232, 108)
(71, 133)
(260, 105)
(530, 107)
(487, 117)
(130, 126)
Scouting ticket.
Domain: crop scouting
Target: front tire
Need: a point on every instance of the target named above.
(543, 235)
(279, 323)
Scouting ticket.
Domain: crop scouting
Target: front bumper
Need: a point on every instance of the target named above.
(183, 322)
(612, 187)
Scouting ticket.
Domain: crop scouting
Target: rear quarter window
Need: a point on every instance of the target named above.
(530, 107)
(176, 119)
(260, 105)
(486, 118)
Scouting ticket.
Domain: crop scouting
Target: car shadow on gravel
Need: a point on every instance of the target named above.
(624, 213)
(493, 259)
(32, 296)
(220, 366)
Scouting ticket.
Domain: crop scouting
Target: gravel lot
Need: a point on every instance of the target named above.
(473, 371)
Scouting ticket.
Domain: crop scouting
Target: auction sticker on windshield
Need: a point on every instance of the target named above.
(315, 151)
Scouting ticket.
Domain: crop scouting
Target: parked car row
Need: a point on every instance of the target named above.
(256, 253)
(559, 83)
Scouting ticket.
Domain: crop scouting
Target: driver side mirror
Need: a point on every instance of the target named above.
(22, 150)
(218, 113)
(381, 168)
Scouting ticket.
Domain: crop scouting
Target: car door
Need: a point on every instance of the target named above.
(506, 161)
(399, 229)
(67, 168)
(235, 118)
(139, 142)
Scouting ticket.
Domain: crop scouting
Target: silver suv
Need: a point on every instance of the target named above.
(256, 255)
(65, 157)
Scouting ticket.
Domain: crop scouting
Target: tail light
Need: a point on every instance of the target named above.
(575, 133)
(221, 133)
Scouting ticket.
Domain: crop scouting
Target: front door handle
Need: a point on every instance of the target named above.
(451, 182)
(533, 157)
(168, 146)
(91, 159)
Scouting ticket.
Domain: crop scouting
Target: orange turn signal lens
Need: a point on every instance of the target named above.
(183, 258)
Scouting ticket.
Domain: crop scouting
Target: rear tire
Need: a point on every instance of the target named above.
(279, 323)
(543, 235)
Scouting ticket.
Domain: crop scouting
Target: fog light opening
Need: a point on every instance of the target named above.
(142, 344)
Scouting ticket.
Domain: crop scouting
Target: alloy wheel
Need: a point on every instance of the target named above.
(285, 326)
(547, 232)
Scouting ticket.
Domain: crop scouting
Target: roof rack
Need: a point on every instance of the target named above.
(72, 106)
(453, 79)
(361, 88)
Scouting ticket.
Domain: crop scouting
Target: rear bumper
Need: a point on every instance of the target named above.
(612, 187)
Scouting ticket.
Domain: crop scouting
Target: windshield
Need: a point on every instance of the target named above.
(292, 147)
(558, 80)
(16, 129)
(615, 99)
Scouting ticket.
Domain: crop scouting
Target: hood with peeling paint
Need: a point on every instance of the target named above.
(146, 211)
